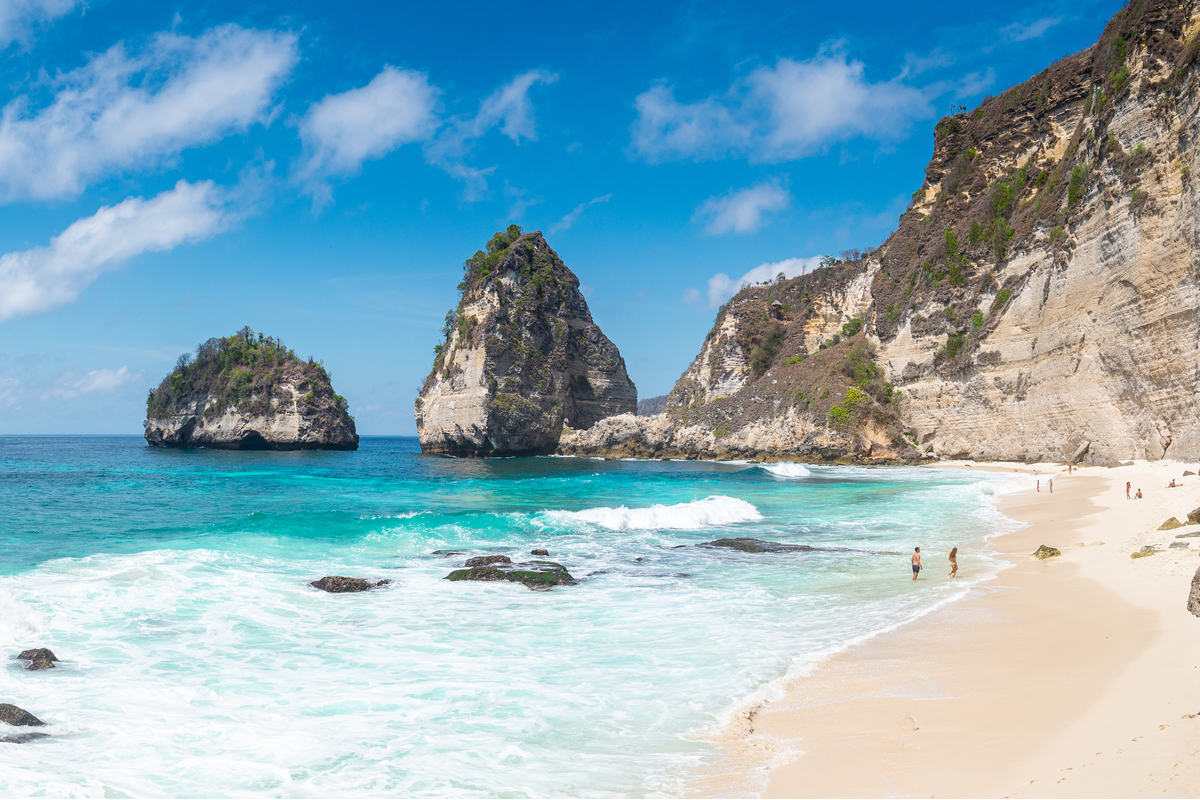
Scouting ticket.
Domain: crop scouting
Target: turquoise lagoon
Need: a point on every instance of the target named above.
(198, 662)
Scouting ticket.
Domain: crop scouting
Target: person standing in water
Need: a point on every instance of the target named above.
(916, 562)
(1052, 486)
(953, 562)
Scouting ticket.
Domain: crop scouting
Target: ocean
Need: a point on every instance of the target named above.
(197, 661)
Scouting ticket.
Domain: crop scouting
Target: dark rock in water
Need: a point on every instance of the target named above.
(539, 552)
(336, 584)
(1044, 552)
(17, 716)
(22, 738)
(483, 561)
(1193, 604)
(748, 545)
(41, 658)
(449, 552)
(534, 574)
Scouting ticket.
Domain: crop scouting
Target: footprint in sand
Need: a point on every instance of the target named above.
(1134, 739)
(1163, 727)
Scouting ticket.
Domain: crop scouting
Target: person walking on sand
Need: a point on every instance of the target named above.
(953, 561)
(1039, 485)
(1126, 490)
(916, 562)
(1052, 486)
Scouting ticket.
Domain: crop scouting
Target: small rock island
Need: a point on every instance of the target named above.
(248, 392)
(521, 357)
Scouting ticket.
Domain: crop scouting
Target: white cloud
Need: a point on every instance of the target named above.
(17, 17)
(37, 280)
(690, 296)
(1018, 32)
(98, 381)
(721, 287)
(573, 215)
(742, 211)
(780, 113)
(509, 107)
(343, 130)
(121, 112)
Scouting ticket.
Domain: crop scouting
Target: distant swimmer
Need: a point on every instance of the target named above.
(953, 562)
(916, 562)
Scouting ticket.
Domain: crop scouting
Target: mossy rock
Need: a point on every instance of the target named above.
(17, 716)
(1044, 552)
(748, 545)
(1170, 525)
(337, 584)
(1145, 551)
(540, 575)
(486, 561)
(41, 658)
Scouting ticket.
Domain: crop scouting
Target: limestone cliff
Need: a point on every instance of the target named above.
(521, 357)
(248, 392)
(1040, 299)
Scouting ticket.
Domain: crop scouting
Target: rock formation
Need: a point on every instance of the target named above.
(539, 575)
(748, 545)
(1039, 299)
(41, 658)
(521, 357)
(337, 584)
(1044, 552)
(1193, 601)
(248, 392)
(17, 716)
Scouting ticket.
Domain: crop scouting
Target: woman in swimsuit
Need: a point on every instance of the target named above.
(953, 562)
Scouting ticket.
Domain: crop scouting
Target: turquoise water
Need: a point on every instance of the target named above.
(197, 661)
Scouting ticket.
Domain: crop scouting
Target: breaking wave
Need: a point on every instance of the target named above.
(714, 510)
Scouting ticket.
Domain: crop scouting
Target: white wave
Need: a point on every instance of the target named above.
(787, 469)
(714, 510)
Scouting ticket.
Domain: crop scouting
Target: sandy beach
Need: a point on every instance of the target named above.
(1070, 677)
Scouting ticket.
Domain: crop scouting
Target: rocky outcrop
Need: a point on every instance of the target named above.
(651, 406)
(748, 545)
(248, 392)
(1038, 301)
(17, 716)
(540, 575)
(337, 584)
(41, 658)
(1044, 552)
(521, 357)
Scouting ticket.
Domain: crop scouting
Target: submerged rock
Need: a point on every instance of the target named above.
(22, 738)
(748, 545)
(484, 561)
(17, 716)
(521, 357)
(1045, 552)
(1170, 525)
(41, 658)
(248, 392)
(534, 574)
(336, 584)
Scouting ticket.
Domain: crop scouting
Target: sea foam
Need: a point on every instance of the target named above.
(714, 510)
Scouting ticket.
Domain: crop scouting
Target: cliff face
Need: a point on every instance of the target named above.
(1039, 300)
(521, 357)
(248, 392)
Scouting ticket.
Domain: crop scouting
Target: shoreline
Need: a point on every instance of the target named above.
(1071, 677)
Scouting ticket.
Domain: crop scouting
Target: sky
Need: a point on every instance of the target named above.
(170, 172)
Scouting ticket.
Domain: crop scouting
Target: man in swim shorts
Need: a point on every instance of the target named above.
(916, 562)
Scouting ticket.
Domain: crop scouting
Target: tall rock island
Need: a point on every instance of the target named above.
(521, 358)
(248, 392)
(1040, 298)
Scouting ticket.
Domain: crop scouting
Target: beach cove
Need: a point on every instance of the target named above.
(1069, 677)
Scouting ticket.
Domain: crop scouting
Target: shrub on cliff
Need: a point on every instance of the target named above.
(243, 371)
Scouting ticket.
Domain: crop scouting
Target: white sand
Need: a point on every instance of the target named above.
(1072, 677)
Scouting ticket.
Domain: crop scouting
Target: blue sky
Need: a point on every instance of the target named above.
(320, 171)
